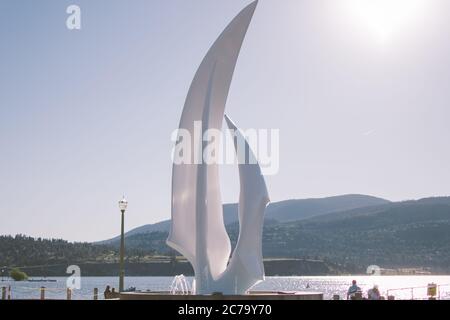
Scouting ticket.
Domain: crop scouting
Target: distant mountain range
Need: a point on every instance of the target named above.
(354, 231)
(402, 234)
(343, 234)
(284, 211)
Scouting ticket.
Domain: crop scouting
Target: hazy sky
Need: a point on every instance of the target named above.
(360, 94)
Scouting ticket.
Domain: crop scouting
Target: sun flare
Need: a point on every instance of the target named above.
(386, 17)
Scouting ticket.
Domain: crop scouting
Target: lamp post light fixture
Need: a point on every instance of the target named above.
(122, 206)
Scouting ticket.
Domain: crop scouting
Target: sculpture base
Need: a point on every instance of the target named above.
(254, 295)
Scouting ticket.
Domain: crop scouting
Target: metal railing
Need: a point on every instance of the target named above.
(40, 293)
(412, 290)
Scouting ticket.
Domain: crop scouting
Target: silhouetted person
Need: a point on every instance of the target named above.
(108, 292)
(374, 293)
(353, 291)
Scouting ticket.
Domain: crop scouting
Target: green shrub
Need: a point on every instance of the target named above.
(18, 275)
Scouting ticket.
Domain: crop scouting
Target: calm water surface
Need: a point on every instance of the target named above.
(328, 285)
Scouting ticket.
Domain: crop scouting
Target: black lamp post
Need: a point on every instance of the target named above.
(122, 206)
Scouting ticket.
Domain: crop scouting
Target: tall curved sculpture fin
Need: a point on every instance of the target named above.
(246, 265)
(197, 229)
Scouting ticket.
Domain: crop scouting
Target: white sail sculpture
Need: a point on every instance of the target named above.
(198, 231)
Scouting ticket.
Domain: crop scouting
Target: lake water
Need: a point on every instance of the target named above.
(328, 285)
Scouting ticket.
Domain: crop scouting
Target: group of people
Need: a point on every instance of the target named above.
(110, 293)
(355, 292)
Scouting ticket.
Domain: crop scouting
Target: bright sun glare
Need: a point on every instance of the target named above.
(386, 17)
